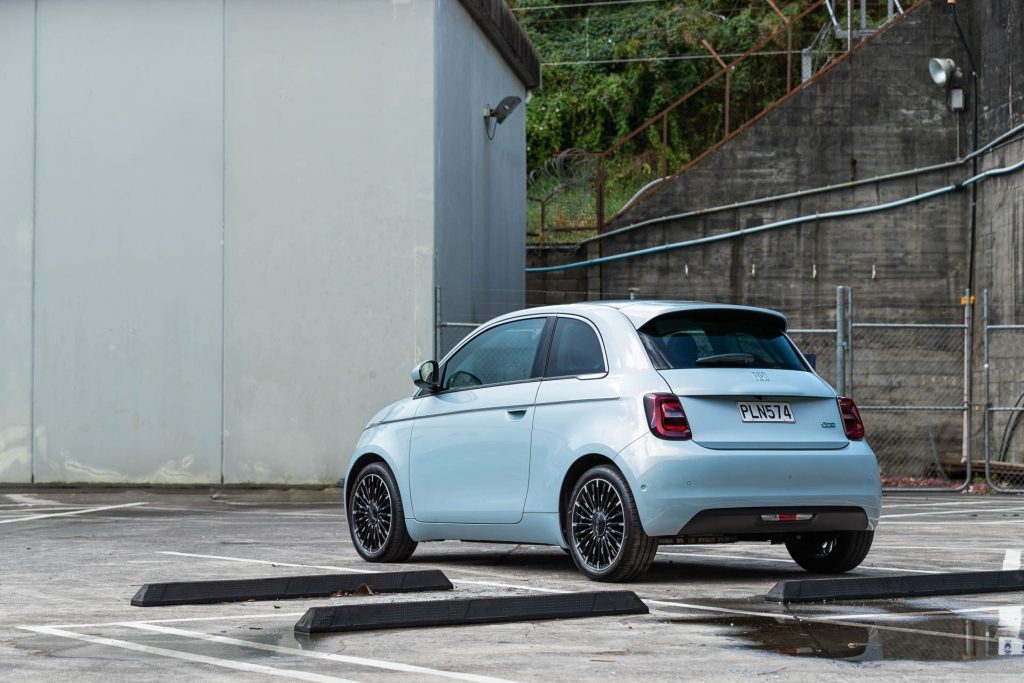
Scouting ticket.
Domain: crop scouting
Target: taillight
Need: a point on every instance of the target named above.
(665, 416)
(852, 424)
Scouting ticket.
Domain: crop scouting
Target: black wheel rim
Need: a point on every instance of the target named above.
(598, 524)
(371, 513)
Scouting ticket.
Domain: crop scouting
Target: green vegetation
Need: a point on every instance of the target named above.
(609, 68)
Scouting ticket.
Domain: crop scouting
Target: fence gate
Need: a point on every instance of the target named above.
(912, 384)
(1003, 424)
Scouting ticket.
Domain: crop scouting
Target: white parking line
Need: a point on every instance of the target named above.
(712, 556)
(649, 601)
(839, 619)
(972, 511)
(180, 620)
(347, 569)
(945, 548)
(267, 562)
(187, 656)
(358, 661)
(952, 503)
(971, 522)
(72, 512)
(28, 499)
(912, 615)
(1011, 560)
(288, 616)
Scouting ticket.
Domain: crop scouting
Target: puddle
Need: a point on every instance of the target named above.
(942, 638)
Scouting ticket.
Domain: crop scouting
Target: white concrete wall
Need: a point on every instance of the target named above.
(329, 219)
(17, 122)
(481, 199)
(217, 219)
(128, 241)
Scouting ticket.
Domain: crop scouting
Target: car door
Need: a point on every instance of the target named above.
(469, 458)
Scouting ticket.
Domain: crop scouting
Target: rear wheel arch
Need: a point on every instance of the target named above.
(572, 475)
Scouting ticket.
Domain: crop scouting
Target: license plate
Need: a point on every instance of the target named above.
(763, 411)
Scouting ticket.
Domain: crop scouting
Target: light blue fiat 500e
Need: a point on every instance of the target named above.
(611, 428)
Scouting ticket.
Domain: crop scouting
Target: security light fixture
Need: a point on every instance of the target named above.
(495, 115)
(943, 70)
(956, 99)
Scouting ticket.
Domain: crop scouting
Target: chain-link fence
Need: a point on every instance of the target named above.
(819, 347)
(1003, 371)
(910, 379)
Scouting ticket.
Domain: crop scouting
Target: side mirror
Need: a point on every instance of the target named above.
(424, 375)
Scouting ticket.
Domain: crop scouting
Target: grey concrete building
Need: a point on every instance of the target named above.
(223, 224)
(873, 129)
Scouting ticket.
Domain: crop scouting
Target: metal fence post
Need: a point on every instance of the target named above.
(985, 380)
(840, 341)
(849, 339)
(437, 322)
(968, 384)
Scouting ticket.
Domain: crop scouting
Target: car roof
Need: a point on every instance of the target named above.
(641, 311)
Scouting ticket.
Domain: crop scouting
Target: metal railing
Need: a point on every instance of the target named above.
(913, 383)
(587, 190)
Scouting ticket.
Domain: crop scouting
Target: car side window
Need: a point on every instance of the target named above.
(505, 353)
(575, 350)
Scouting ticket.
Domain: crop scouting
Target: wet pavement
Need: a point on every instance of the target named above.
(72, 559)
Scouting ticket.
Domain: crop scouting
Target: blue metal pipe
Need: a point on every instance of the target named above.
(843, 213)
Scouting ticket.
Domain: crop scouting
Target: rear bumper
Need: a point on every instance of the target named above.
(758, 521)
(679, 484)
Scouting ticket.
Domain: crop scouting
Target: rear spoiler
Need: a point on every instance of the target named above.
(644, 312)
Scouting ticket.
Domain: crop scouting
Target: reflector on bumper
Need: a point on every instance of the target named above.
(803, 517)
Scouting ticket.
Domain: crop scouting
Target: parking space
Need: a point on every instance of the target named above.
(72, 559)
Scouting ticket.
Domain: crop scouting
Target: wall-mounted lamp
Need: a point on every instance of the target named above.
(495, 115)
(944, 72)
(956, 99)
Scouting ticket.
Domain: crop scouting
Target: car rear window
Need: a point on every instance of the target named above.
(718, 338)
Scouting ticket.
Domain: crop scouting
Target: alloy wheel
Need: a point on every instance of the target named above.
(371, 513)
(598, 524)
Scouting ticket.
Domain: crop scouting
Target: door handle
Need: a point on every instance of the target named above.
(516, 413)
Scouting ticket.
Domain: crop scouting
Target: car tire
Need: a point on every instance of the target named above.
(830, 553)
(606, 540)
(376, 518)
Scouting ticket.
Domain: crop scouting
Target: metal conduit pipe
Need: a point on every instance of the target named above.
(1013, 132)
(842, 213)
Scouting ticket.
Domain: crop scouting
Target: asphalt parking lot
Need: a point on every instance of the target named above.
(72, 560)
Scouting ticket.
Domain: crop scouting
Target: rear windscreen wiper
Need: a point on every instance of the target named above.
(727, 359)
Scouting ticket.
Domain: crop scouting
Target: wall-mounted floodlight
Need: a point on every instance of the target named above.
(943, 70)
(495, 115)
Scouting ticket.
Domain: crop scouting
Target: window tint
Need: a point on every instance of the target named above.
(707, 339)
(505, 353)
(575, 350)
